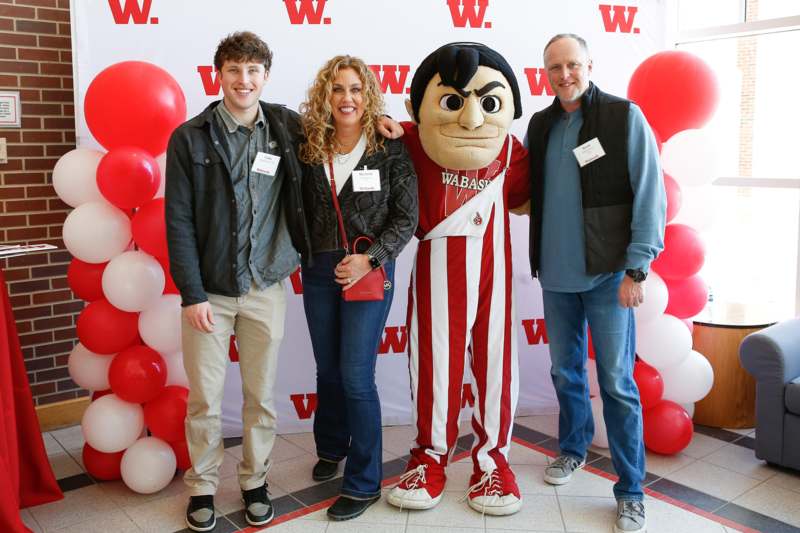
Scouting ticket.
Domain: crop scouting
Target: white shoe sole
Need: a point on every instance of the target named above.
(196, 528)
(640, 530)
(419, 505)
(561, 480)
(505, 510)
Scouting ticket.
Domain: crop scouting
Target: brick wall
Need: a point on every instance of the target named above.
(36, 59)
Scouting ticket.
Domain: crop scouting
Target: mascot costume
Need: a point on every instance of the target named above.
(471, 172)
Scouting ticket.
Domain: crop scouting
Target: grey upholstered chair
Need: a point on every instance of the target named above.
(772, 356)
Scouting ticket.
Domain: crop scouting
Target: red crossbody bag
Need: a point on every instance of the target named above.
(373, 284)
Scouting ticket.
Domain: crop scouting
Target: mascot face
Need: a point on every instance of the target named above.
(465, 128)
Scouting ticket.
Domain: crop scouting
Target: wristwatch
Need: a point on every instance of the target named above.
(636, 275)
(373, 262)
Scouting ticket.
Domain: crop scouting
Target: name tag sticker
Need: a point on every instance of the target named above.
(266, 164)
(588, 152)
(366, 180)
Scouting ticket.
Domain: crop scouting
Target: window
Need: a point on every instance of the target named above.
(752, 248)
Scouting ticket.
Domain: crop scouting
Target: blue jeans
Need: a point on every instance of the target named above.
(345, 337)
(612, 328)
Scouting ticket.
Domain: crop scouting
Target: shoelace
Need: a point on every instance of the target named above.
(412, 479)
(633, 510)
(490, 483)
(565, 461)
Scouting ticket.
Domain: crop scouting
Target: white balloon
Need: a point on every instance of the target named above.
(699, 208)
(176, 373)
(110, 425)
(133, 281)
(88, 369)
(663, 342)
(655, 302)
(162, 167)
(75, 177)
(148, 465)
(691, 157)
(591, 371)
(600, 438)
(689, 381)
(160, 324)
(689, 407)
(95, 232)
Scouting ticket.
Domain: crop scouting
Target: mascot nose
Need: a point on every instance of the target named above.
(471, 116)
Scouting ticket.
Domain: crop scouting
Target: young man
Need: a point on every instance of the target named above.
(597, 222)
(232, 183)
(471, 172)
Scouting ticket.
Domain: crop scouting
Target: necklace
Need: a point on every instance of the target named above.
(342, 157)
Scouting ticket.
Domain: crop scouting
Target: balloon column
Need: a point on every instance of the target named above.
(678, 94)
(129, 333)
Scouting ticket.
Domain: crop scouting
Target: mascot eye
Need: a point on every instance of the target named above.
(491, 103)
(451, 102)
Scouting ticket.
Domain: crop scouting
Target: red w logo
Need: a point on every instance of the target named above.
(301, 10)
(622, 19)
(537, 81)
(210, 78)
(467, 397)
(395, 339)
(392, 78)
(304, 404)
(470, 12)
(535, 331)
(132, 10)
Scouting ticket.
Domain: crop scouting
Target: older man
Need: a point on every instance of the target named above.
(598, 211)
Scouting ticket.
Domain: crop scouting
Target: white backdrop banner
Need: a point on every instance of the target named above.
(392, 36)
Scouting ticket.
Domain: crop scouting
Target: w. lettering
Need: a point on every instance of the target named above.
(470, 12)
(301, 11)
(140, 14)
(621, 20)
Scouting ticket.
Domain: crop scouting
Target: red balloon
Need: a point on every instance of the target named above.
(134, 103)
(674, 196)
(104, 329)
(668, 428)
(128, 177)
(687, 297)
(165, 414)
(137, 374)
(676, 91)
(590, 344)
(86, 279)
(169, 283)
(181, 450)
(150, 229)
(683, 255)
(101, 465)
(100, 393)
(651, 386)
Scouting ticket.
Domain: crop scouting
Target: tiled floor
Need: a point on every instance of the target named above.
(715, 485)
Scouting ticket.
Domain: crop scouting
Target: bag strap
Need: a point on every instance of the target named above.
(336, 207)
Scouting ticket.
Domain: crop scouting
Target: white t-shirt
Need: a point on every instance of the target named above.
(344, 164)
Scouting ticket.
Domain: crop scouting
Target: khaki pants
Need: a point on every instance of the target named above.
(257, 320)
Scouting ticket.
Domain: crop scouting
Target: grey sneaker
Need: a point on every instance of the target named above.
(630, 517)
(200, 513)
(560, 471)
(258, 508)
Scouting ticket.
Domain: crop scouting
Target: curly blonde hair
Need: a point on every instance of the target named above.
(316, 110)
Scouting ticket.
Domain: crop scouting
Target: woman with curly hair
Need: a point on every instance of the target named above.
(377, 201)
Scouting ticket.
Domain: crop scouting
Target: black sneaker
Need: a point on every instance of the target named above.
(258, 508)
(345, 508)
(200, 513)
(324, 470)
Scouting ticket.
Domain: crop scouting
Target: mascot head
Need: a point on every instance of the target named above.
(464, 97)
